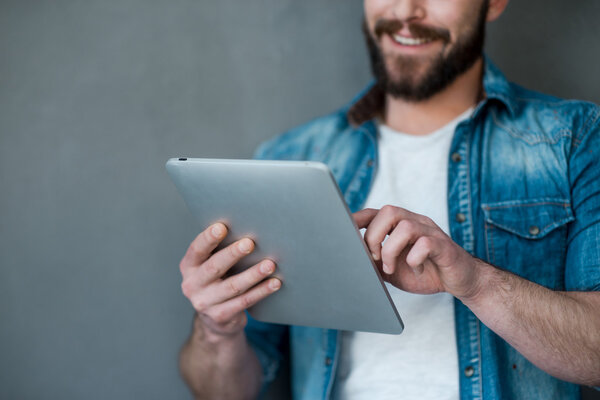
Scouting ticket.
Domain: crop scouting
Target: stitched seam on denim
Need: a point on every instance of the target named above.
(590, 122)
(553, 224)
(489, 243)
(583, 229)
(479, 359)
(325, 347)
(474, 352)
(515, 134)
(334, 366)
(469, 191)
(527, 201)
(497, 207)
(555, 102)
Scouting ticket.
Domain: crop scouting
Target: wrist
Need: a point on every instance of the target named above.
(482, 287)
(204, 331)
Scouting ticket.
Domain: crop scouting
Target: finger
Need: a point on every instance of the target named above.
(380, 226)
(220, 262)
(242, 282)
(228, 310)
(202, 246)
(420, 253)
(398, 244)
(203, 296)
(364, 217)
(215, 267)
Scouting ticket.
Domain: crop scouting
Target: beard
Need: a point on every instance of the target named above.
(402, 81)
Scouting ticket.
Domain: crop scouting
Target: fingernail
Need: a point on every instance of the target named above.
(387, 269)
(245, 245)
(375, 256)
(275, 284)
(217, 230)
(266, 268)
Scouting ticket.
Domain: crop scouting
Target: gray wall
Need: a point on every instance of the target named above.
(95, 96)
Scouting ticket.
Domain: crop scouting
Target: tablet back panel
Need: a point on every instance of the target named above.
(295, 213)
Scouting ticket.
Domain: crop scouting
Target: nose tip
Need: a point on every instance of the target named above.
(408, 10)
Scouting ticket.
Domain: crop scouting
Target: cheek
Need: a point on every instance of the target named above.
(466, 23)
(455, 16)
(375, 9)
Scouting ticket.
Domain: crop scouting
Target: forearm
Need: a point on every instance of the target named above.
(557, 331)
(220, 367)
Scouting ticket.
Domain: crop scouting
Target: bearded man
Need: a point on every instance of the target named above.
(481, 203)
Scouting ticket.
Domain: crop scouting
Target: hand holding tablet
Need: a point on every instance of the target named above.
(219, 300)
(296, 216)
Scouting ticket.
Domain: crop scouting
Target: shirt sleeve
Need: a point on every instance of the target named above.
(267, 341)
(582, 271)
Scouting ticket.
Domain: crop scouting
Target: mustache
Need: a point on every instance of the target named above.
(390, 26)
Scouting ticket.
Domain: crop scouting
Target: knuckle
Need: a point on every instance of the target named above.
(388, 253)
(199, 304)
(195, 247)
(186, 288)
(407, 225)
(233, 287)
(413, 261)
(370, 236)
(371, 241)
(388, 209)
(426, 242)
(439, 235)
(211, 268)
(182, 266)
(426, 220)
(219, 316)
(246, 301)
(233, 251)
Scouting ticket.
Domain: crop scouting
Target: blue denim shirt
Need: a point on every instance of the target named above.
(523, 194)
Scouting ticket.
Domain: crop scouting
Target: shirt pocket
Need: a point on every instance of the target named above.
(529, 238)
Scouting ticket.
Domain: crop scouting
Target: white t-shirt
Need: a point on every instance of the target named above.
(422, 362)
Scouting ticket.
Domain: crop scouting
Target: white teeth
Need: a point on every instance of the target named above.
(409, 41)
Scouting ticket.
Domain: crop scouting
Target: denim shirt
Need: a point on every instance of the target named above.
(523, 195)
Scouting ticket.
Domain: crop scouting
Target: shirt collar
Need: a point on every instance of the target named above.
(369, 103)
(497, 87)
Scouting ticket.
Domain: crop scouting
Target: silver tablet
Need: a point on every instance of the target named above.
(296, 215)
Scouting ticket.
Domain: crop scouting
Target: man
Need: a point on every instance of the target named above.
(489, 196)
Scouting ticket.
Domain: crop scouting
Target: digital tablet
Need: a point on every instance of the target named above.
(296, 215)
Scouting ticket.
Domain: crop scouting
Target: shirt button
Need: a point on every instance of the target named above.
(370, 163)
(456, 157)
(460, 217)
(328, 361)
(469, 371)
(534, 230)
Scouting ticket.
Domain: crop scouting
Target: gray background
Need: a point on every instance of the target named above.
(96, 95)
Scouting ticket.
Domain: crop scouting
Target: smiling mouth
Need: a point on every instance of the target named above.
(406, 41)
